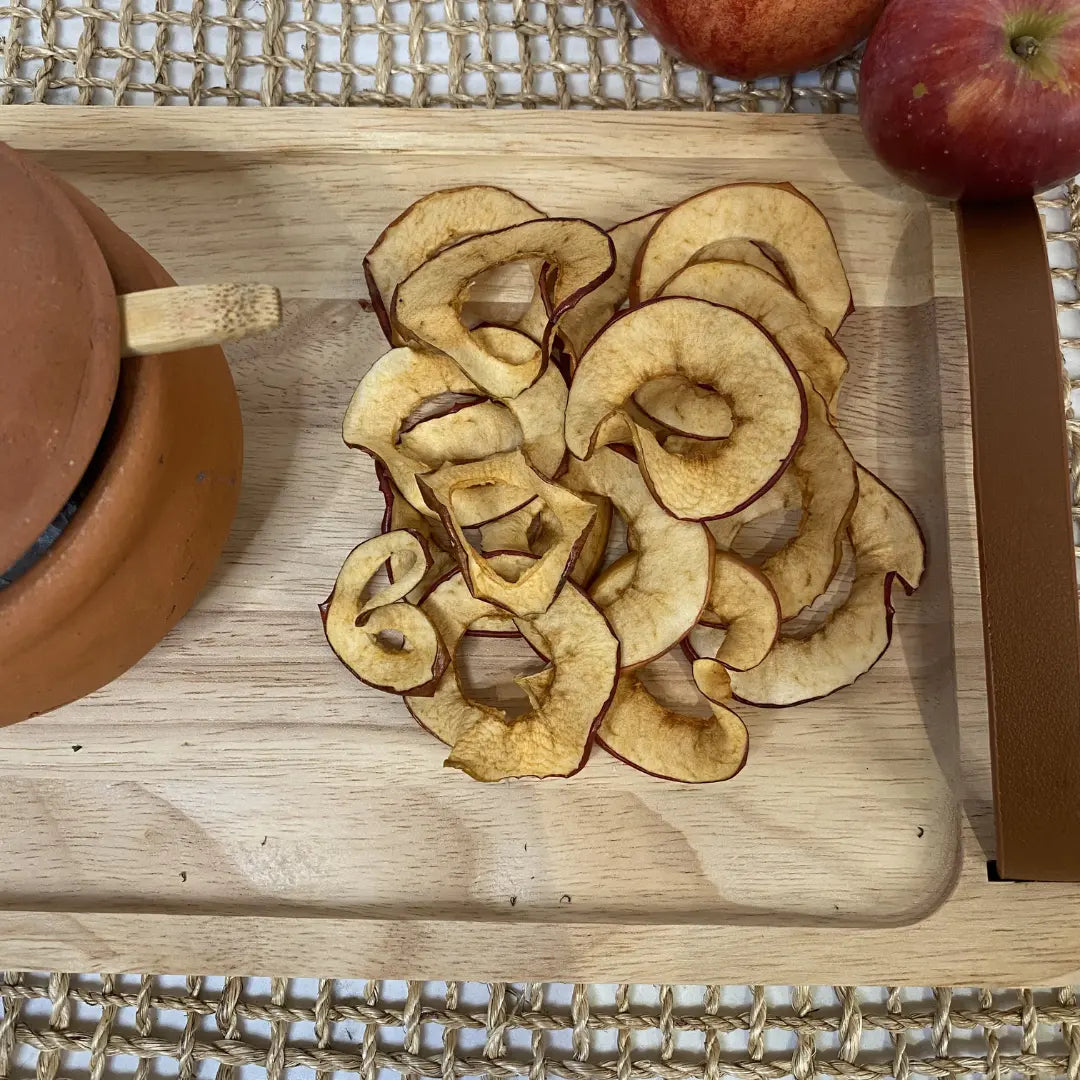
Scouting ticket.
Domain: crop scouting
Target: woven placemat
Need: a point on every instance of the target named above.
(104, 1026)
(368, 52)
(459, 53)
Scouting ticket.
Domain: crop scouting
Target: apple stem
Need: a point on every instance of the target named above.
(1026, 46)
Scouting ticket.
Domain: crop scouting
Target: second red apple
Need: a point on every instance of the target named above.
(749, 39)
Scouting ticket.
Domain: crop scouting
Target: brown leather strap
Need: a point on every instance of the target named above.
(1030, 613)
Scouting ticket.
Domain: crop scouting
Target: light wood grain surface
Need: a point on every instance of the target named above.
(239, 802)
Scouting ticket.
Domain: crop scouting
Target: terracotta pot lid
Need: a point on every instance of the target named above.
(60, 351)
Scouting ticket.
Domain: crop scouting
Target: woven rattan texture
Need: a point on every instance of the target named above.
(367, 52)
(129, 1025)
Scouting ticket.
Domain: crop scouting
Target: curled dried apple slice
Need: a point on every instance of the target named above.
(539, 411)
(393, 388)
(475, 430)
(432, 223)
(713, 680)
(517, 531)
(409, 552)
(554, 737)
(740, 251)
(821, 481)
(568, 699)
(447, 713)
(586, 320)
(354, 628)
(427, 304)
(782, 219)
(742, 602)
(654, 595)
(532, 420)
(640, 731)
(398, 513)
(533, 529)
(692, 411)
(709, 346)
(572, 518)
(888, 546)
(809, 346)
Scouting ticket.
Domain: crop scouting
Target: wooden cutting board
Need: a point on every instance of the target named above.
(238, 802)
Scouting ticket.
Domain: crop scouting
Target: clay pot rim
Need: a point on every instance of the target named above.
(26, 605)
(59, 462)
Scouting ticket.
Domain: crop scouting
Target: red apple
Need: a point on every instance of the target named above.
(748, 39)
(975, 98)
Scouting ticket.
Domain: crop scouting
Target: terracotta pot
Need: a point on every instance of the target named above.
(61, 347)
(163, 488)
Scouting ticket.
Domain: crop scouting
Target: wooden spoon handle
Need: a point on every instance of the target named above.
(188, 316)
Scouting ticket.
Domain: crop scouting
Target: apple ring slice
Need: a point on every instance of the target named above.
(740, 251)
(888, 547)
(432, 223)
(710, 346)
(640, 731)
(427, 304)
(590, 316)
(536, 588)
(354, 627)
(532, 420)
(778, 217)
(655, 594)
(743, 603)
(821, 482)
(554, 737)
(808, 345)
(534, 528)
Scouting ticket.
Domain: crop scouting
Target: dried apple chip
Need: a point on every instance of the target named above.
(432, 223)
(533, 529)
(740, 251)
(713, 680)
(452, 609)
(888, 546)
(743, 603)
(809, 346)
(471, 431)
(553, 739)
(399, 514)
(534, 591)
(821, 482)
(533, 420)
(694, 412)
(639, 730)
(595, 310)
(427, 304)
(776, 216)
(653, 596)
(354, 628)
(393, 388)
(709, 346)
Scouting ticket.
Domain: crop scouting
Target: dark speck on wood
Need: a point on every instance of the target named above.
(513, 901)
(565, 899)
(183, 875)
(76, 747)
(922, 832)
(264, 839)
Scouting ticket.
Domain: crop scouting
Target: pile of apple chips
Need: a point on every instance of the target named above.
(679, 371)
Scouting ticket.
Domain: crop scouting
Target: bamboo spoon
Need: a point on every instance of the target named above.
(190, 316)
